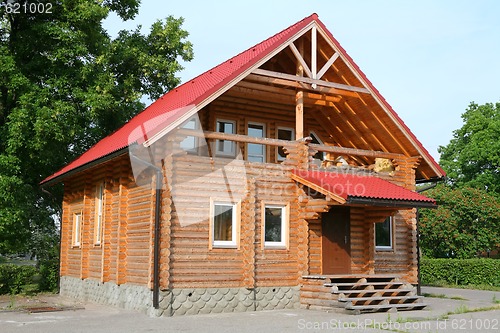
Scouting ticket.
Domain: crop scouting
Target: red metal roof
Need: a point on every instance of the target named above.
(179, 101)
(350, 186)
(173, 104)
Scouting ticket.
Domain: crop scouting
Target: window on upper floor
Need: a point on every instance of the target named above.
(315, 139)
(284, 133)
(225, 147)
(384, 234)
(190, 143)
(256, 152)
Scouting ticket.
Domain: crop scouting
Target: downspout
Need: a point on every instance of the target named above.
(419, 284)
(156, 241)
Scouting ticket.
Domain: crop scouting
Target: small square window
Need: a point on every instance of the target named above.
(275, 226)
(224, 224)
(77, 228)
(384, 235)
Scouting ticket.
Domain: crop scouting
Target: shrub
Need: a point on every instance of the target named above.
(15, 279)
(49, 275)
(460, 271)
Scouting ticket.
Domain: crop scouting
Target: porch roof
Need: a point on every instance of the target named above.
(365, 190)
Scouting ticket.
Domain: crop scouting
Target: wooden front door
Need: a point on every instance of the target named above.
(336, 241)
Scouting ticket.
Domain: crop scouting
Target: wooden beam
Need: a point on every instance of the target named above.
(287, 92)
(328, 64)
(314, 45)
(299, 115)
(318, 188)
(295, 84)
(235, 137)
(320, 83)
(300, 59)
(276, 98)
(356, 152)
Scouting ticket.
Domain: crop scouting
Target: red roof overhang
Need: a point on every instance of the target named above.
(352, 189)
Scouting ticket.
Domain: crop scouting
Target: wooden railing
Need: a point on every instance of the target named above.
(294, 146)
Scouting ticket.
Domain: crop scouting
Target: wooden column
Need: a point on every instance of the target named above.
(299, 115)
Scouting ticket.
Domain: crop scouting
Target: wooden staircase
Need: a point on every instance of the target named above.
(359, 294)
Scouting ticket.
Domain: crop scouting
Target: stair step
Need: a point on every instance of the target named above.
(379, 298)
(372, 291)
(374, 308)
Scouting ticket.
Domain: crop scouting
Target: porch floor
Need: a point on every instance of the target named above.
(359, 293)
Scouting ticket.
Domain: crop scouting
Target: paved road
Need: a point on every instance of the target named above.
(435, 318)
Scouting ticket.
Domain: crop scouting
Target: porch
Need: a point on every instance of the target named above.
(359, 293)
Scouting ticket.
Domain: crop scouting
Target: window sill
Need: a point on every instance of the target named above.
(221, 246)
(384, 249)
(275, 247)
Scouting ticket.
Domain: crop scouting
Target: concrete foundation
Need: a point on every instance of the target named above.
(176, 302)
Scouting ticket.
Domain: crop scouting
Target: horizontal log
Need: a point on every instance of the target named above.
(235, 137)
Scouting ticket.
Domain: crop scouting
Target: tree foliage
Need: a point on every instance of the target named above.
(466, 222)
(472, 158)
(65, 84)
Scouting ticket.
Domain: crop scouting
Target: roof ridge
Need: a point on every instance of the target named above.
(312, 16)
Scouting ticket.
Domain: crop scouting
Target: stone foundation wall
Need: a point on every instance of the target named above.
(181, 301)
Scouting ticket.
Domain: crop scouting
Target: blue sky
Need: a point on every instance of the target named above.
(429, 59)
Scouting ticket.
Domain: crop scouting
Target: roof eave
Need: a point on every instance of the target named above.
(52, 181)
(351, 200)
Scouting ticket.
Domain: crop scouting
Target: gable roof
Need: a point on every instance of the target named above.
(180, 103)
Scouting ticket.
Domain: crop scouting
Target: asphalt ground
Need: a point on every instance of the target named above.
(453, 310)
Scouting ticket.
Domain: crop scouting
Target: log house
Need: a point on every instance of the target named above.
(279, 178)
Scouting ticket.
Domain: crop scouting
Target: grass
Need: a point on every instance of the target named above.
(495, 300)
(458, 298)
(470, 286)
(459, 310)
(16, 261)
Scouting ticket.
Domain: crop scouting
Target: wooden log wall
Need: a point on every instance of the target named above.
(125, 252)
(402, 259)
(193, 261)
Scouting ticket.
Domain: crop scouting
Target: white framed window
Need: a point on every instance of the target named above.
(77, 229)
(191, 143)
(275, 228)
(283, 133)
(99, 216)
(316, 139)
(384, 234)
(256, 152)
(225, 147)
(224, 224)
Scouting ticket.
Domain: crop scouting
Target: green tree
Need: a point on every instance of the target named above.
(472, 158)
(65, 84)
(466, 222)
